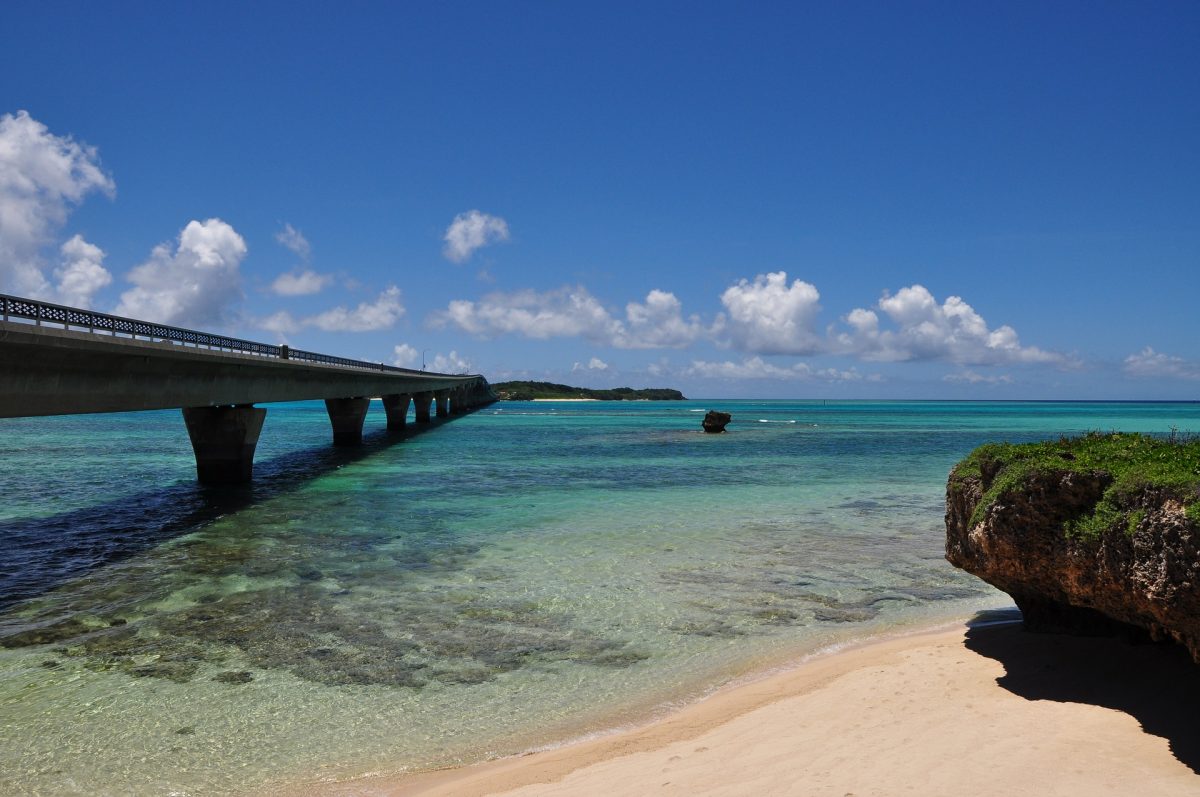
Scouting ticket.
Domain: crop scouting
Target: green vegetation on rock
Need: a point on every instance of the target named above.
(528, 391)
(1137, 469)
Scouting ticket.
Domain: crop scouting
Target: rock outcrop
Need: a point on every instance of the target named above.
(716, 421)
(1135, 571)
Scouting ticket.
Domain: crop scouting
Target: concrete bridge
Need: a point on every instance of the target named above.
(57, 360)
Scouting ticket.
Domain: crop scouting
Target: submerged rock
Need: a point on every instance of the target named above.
(1084, 543)
(716, 421)
(234, 677)
(47, 634)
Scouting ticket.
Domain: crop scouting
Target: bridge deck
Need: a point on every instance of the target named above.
(51, 371)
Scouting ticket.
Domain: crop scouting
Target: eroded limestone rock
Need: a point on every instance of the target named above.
(1141, 577)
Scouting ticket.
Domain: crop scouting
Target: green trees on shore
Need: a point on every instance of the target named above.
(528, 391)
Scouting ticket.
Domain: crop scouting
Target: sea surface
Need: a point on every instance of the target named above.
(508, 580)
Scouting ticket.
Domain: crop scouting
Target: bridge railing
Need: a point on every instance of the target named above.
(113, 325)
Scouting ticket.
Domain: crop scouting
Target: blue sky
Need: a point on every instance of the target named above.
(922, 200)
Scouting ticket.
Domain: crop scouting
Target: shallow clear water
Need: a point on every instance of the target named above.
(510, 579)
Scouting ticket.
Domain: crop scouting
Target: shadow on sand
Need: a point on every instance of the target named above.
(1158, 685)
(39, 554)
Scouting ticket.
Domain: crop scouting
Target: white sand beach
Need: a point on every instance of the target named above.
(982, 711)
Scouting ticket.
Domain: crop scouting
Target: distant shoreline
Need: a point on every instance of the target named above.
(564, 399)
(535, 391)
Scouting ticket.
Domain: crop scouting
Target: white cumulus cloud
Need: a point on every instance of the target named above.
(1150, 363)
(925, 330)
(195, 283)
(657, 323)
(565, 312)
(42, 176)
(471, 231)
(405, 356)
(367, 317)
(370, 316)
(574, 312)
(81, 273)
(450, 363)
(753, 368)
(769, 316)
(758, 368)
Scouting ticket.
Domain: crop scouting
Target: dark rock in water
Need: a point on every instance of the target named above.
(715, 421)
(234, 677)
(829, 614)
(172, 670)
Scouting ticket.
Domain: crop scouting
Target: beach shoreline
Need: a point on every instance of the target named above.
(987, 709)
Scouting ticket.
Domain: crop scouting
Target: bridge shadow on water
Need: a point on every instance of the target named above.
(1156, 684)
(39, 554)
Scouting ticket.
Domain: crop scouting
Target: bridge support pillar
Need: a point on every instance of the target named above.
(443, 403)
(480, 396)
(346, 415)
(396, 407)
(458, 401)
(224, 439)
(421, 402)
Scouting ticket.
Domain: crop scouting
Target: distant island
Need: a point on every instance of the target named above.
(530, 391)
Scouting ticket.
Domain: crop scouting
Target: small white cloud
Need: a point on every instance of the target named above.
(196, 284)
(300, 283)
(81, 272)
(660, 368)
(594, 364)
(450, 363)
(405, 356)
(42, 176)
(302, 280)
(292, 239)
(768, 316)
(367, 317)
(925, 330)
(973, 378)
(1149, 363)
(846, 375)
(471, 231)
(281, 323)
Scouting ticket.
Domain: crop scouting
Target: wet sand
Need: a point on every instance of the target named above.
(988, 710)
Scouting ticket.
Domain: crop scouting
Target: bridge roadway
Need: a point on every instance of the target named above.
(60, 361)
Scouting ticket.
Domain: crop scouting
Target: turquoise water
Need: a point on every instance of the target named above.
(511, 579)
